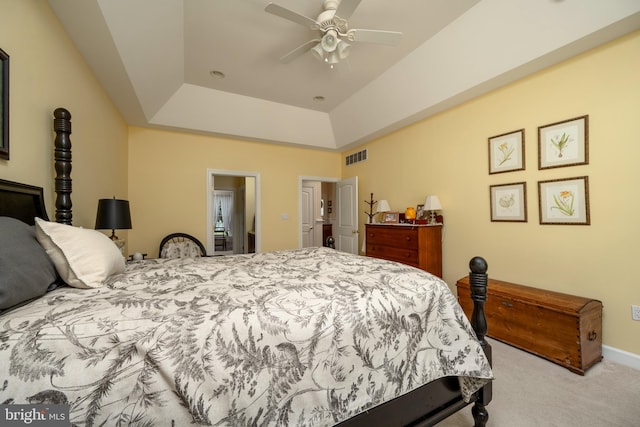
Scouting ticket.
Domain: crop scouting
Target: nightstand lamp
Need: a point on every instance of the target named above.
(114, 214)
(432, 204)
(383, 206)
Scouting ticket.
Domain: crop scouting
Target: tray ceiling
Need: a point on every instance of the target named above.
(155, 59)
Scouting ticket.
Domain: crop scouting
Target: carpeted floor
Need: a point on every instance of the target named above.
(530, 391)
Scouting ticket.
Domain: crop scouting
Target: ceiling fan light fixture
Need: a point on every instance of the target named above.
(343, 49)
(333, 31)
(333, 58)
(318, 52)
(330, 41)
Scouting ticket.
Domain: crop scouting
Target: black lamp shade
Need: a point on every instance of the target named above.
(113, 214)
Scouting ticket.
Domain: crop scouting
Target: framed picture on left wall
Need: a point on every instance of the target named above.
(4, 105)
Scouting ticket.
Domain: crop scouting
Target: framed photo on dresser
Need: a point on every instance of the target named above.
(391, 217)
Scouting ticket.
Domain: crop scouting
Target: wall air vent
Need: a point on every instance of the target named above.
(357, 157)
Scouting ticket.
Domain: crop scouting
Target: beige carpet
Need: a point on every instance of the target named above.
(531, 391)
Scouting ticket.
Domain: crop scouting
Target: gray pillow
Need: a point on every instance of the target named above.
(25, 268)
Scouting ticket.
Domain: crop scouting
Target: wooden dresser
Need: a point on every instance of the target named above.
(416, 245)
(562, 328)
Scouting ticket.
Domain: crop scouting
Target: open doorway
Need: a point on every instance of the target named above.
(328, 208)
(227, 216)
(233, 212)
(316, 217)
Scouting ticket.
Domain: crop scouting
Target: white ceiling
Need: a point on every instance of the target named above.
(154, 58)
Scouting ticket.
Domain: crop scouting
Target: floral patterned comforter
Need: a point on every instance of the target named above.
(305, 337)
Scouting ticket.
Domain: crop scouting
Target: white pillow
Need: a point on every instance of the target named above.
(84, 258)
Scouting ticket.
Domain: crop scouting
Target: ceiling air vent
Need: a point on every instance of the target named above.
(357, 157)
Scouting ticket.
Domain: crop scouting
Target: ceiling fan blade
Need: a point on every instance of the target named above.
(346, 8)
(291, 15)
(375, 36)
(299, 51)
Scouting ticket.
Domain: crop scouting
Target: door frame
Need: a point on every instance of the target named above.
(311, 186)
(210, 188)
(300, 180)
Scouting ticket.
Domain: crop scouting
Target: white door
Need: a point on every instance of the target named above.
(347, 216)
(308, 216)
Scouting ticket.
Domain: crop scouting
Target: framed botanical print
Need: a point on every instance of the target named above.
(509, 202)
(564, 143)
(506, 152)
(564, 201)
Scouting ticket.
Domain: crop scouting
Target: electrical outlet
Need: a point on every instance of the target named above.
(635, 312)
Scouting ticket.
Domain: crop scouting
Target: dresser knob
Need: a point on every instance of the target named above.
(592, 336)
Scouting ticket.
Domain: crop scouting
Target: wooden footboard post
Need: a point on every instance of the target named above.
(62, 127)
(478, 284)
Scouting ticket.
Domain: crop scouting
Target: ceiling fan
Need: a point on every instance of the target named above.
(333, 31)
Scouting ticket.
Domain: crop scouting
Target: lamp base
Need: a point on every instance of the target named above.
(119, 244)
(432, 218)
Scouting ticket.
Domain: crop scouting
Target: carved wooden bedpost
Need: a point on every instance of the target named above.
(62, 127)
(478, 284)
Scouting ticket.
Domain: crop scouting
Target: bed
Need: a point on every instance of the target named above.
(308, 337)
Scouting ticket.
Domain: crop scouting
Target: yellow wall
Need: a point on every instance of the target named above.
(168, 184)
(164, 173)
(447, 155)
(46, 72)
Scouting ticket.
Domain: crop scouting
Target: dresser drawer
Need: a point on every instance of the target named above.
(403, 255)
(398, 237)
(415, 245)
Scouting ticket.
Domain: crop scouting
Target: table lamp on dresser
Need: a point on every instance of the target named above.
(114, 214)
(383, 206)
(432, 204)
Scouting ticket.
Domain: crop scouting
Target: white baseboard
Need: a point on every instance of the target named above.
(620, 356)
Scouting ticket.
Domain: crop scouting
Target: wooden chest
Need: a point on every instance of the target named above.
(416, 245)
(562, 328)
